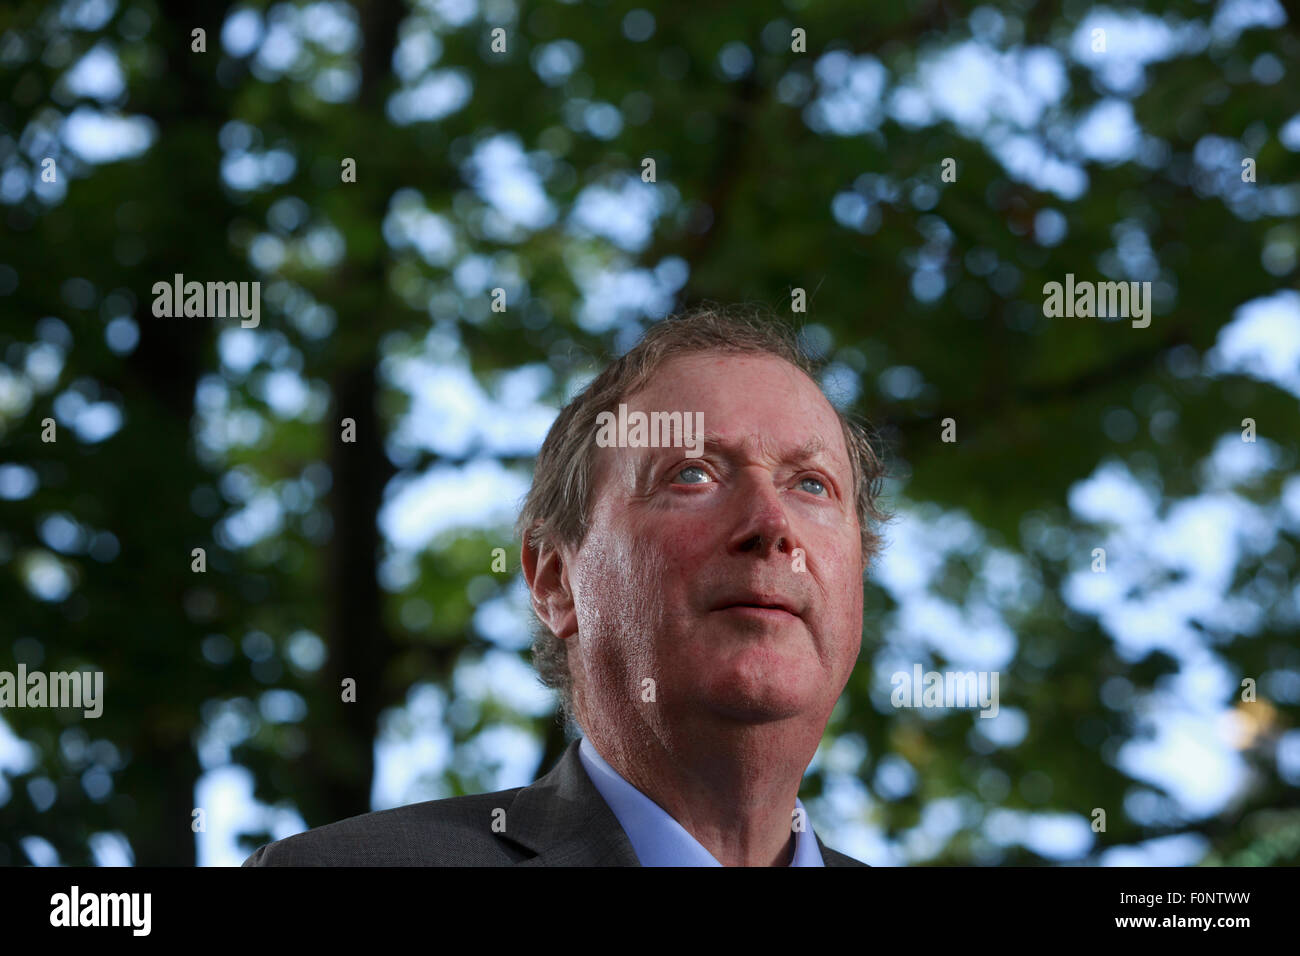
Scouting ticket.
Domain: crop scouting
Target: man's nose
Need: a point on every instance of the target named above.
(762, 526)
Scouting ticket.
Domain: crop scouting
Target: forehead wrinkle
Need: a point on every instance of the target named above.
(815, 447)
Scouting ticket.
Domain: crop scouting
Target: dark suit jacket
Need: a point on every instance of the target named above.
(561, 820)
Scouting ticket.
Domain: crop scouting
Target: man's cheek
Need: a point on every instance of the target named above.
(679, 540)
(831, 561)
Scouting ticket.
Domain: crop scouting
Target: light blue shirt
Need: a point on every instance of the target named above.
(657, 838)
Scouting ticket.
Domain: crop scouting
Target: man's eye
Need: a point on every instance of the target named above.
(703, 475)
(820, 486)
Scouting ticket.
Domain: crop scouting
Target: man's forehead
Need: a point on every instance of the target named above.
(767, 408)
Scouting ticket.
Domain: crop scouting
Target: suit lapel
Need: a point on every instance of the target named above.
(566, 822)
(834, 858)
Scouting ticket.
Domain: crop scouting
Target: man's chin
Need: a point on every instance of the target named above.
(756, 704)
(758, 684)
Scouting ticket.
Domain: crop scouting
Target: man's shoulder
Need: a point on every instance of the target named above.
(558, 820)
(454, 831)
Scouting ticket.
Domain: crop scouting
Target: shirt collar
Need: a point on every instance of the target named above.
(657, 838)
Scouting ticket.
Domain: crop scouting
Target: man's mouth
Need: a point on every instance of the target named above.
(763, 606)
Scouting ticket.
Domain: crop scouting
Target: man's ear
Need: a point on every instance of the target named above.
(548, 584)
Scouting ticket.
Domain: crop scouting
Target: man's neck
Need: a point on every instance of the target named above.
(734, 792)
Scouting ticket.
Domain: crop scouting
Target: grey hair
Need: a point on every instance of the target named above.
(557, 508)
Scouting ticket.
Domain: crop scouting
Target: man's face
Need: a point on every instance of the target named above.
(681, 549)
